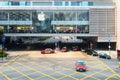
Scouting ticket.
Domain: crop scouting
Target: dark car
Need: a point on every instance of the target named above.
(64, 49)
(91, 52)
(104, 55)
(80, 65)
(75, 48)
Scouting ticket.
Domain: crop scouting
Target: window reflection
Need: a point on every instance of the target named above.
(54, 22)
(19, 16)
(3, 15)
(65, 16)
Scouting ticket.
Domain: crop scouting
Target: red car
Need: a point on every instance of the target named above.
(64, 49)
(80, 65)
(47, 51)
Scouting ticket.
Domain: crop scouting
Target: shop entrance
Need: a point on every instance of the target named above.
(64, 29)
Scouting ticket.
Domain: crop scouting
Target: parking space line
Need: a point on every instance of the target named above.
(21, 73)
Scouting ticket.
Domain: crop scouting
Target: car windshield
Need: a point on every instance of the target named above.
(93, 51)
(80, 63)
(48, 49)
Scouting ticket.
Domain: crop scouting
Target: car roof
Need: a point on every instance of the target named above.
(80, 61)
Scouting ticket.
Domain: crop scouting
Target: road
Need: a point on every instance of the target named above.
(31, 65)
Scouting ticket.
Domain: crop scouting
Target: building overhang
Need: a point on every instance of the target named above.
(52, 7)
(47, 34)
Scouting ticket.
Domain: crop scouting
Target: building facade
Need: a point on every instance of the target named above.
(95, 19)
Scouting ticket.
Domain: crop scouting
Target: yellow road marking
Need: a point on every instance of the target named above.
(108, 78)
(21, 73)
(95, 66)
(10, 61)
(36, 71)
(94, 78)
(87, 76)
(57, 71)
(108, 67)
(5, 76)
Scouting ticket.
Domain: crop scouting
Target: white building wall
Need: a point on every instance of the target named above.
(118, 23)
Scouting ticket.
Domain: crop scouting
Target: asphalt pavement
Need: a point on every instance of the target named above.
(32, 65)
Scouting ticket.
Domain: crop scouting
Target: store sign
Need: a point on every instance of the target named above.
(41, 16)
(0, 47)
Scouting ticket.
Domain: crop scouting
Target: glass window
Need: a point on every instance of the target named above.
(84, 3)
(65, 16)
(4, 3)
(90, 3)
(83, 28)
(3, 15)
(58, 4)
(42, 4)
(27, 3)
(83, 15)
(15, 3)
(22, 3)
(43, 26)
(19, 16)
(74, 3)
(66, 4)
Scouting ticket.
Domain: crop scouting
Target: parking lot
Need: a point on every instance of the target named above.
(32, 65)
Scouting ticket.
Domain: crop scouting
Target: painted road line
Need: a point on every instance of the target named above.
(87, 76)
(36, 71)
(22, 76)
(10, 61)
(95, 66)
(108, 78)
(57, 71)
(95, 78)
(61, 71)
(8, 78)
(21, 73)
(108, 67)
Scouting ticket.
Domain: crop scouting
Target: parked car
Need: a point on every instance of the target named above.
(80, 66)
(104, 55)
(75, 48)
(91, 52)
(47, 51)
(64, 49)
